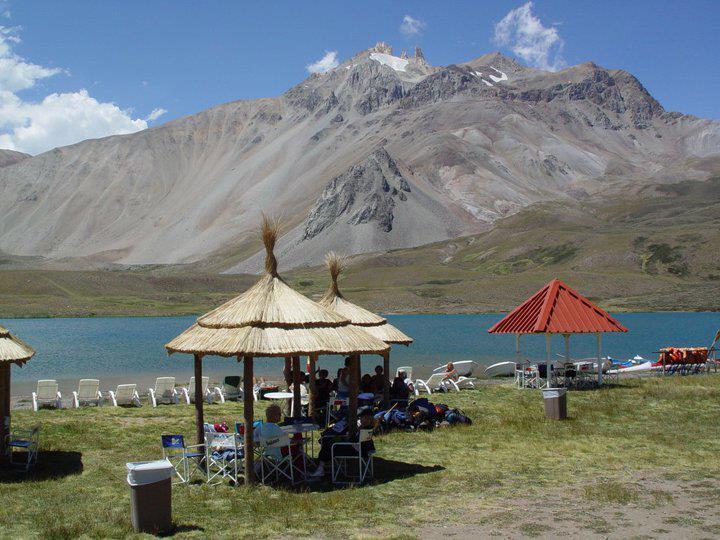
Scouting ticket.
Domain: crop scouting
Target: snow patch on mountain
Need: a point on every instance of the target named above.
(502, 77)
(394, 62)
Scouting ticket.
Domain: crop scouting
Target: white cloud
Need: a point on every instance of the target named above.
(526, 36)
(155, 114)
(326, 63)
(57, 119)
(411, 26)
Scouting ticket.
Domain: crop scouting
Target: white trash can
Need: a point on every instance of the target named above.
(150, 495)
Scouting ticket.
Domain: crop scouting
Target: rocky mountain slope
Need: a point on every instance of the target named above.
(9, 157)
(381, 152)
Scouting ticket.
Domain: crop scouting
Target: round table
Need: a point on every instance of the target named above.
(279, 395)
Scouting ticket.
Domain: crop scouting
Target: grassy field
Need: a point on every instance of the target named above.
(638, 458)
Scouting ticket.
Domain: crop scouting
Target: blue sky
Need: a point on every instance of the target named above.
(179, 57)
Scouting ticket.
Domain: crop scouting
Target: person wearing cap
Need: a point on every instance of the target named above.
(339, 433)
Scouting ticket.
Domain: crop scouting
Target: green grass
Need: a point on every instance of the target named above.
(663, 427)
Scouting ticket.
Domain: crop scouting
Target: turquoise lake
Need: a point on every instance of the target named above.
(130, 349)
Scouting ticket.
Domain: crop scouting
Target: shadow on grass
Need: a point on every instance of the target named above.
(178, 529)
(51, 464)
(386, 470)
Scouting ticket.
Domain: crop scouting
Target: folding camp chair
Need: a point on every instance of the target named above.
(223, 456)
(334, 408)
(164, 391)
(181, 455)
(125, 394)
(273, 461)
(189, 391)
(88, 393)
(27, 440)
(344, 453)
(47, 394)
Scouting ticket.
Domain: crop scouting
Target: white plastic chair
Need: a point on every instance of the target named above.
(208, 395)
(125, 394)
(407, 369)
(47, 394)
(433, 383)
(340, 463)
(223, 456)
(88, 393)
(164, 391)
(272, 465)
(27, 440)
(230, 389)
(465, 382)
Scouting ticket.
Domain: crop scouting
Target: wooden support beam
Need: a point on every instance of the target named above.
(199, 417)
(297, 381)
(312, 362)
(248, 417)
(353, 398)
(4, 408)
(386, 379)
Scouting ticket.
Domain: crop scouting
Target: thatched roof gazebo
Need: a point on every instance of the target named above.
(271, 319)
(360, 317)
(12, 351)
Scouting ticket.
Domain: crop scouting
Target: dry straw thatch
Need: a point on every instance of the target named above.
(358, 316)
(12, 349)
(272, 319)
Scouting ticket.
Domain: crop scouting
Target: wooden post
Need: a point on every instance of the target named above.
(353, 398)
(386, 377)
(296, 404)
(4, 407)
(311, 385)
(248, 417)
(288, 377)
(199, 418)
(599, 358)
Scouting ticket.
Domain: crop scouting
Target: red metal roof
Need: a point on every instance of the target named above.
(557, 309)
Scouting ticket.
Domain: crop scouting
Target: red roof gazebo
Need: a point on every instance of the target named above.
(558, 309)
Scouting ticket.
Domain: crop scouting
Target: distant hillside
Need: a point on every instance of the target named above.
(10, 157)
(644, 253)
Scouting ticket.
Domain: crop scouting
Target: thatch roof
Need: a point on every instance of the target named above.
(272, 319)
(13, 349)
(358, 316)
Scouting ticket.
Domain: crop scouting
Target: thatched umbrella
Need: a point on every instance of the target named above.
(12, 351)
(271, 320)
(370, 322)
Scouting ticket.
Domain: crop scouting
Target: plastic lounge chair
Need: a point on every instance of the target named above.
(230, 388)
(433, 383)
(272, 461)
(407, 369)
(47, 395)
(164, 391)
(27, 440)
(465, 383)
(189, 391)
(223, 456)
(88, 393)
(341, 462)
(186, 460)
(124, 395)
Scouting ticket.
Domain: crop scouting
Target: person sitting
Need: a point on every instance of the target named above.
(270, 429)
(366, 385)
(339, 433)
(378, 381)
(400, 389)
(450, 373)
(323, 387)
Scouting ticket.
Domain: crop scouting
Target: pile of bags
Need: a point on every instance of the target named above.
(420, 414)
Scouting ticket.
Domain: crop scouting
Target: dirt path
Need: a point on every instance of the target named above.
(643, 507)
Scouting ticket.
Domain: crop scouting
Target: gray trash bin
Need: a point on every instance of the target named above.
(555, 403)
(150, 495)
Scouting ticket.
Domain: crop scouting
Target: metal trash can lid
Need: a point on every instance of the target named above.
(549, 393)
(148, 472)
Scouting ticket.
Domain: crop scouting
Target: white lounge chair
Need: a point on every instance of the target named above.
(465, 382)
(88, 393)
(230, 388)
(189, 391)
(407, 369)
(125, 394)
(164, 391)
(433, 383)
(47, 395)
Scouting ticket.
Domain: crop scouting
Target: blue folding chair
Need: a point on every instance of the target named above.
(181, 455)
